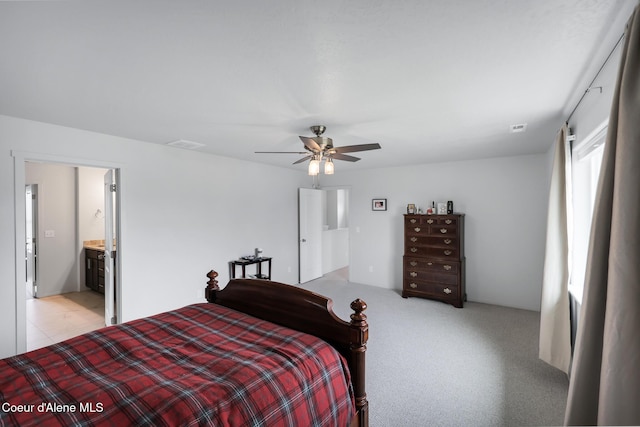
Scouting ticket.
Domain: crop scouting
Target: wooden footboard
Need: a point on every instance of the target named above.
(307, 312)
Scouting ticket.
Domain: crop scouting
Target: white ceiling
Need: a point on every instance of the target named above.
(430, 80)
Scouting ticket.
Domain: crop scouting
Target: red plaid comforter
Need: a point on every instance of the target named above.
(199, 365)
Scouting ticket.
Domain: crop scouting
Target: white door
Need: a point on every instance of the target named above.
(310, 233)
(31, 235)
(109, 292)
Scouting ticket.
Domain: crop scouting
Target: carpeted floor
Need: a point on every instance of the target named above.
(430, 364)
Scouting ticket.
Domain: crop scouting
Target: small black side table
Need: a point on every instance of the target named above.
(244, 262)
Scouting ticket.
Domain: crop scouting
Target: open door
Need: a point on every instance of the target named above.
(109, 289)
(31, 240)
(310, 234)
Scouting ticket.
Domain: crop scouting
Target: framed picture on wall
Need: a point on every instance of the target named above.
(379, 204)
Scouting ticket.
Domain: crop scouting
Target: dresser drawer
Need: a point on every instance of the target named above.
(440, 241)
(431, 230)
(435, 289)
(447, 220)
(428, 264)
(429, 251)
(417, 230)
(444, 277)
(442, 229)
(431, 219)
(411, 220)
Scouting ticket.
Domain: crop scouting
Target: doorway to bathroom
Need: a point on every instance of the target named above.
(69, 209)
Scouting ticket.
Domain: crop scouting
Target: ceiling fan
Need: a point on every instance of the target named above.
(321, 147)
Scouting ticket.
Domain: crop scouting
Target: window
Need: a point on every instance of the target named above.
(586, 159)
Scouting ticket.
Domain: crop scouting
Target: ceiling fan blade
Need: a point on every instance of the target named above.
(338, 156)
(310, 144)
(280, 152)
(304, 159)
(354, 148)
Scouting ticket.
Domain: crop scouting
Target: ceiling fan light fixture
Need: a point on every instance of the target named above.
(314, 166)
(328, 167)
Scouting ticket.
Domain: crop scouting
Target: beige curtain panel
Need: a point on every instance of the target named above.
(604, 388)
(555, 327)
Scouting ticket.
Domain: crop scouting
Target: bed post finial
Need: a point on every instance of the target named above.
(358, 317)
(212, 286)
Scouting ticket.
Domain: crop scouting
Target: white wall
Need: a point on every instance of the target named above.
(335, 249)
(335, 236)
(184, 213)
(504, 200)
(57, 261)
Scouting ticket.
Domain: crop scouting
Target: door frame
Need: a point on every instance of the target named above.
(349, 189)
(19, 159)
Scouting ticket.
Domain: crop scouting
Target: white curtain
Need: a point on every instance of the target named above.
(604, 387)
(555, 327)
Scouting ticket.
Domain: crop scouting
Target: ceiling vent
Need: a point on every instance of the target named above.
(518, 128)
(187, 145)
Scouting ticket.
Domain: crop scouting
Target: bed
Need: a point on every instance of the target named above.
(257, 353)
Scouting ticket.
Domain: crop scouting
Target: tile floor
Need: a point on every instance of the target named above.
(59, 317)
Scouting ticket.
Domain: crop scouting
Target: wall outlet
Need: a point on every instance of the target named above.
(49, 233)
(371, 269)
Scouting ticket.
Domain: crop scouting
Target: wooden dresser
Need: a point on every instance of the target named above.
(433, 261)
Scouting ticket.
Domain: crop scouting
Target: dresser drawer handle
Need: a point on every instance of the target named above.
(446, 267)
(429, 221)
(412, 220)
(447, 241)
(447, 291)
(417, 229)
(443, 230)
(413, 274)
(414, 239)
(448, 252)
(429, 263)
(413, 285)
(414, 249)
(413, 263)
(448, 221)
